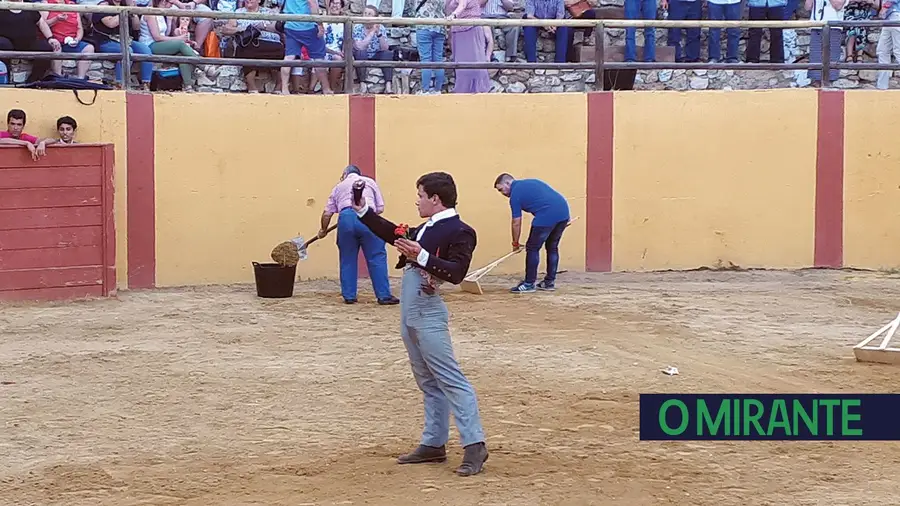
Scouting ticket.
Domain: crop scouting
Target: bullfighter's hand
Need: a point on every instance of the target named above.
(409, 249)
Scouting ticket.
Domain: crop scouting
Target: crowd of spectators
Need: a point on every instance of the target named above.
(15, 134)
(185, 34)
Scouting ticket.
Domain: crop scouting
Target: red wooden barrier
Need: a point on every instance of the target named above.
(57, 223)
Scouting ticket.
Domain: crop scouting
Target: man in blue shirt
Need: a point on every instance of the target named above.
(299, 34)
(551, 216)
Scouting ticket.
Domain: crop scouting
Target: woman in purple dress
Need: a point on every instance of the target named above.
(469, 44)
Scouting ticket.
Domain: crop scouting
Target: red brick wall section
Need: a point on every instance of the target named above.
(57, 232)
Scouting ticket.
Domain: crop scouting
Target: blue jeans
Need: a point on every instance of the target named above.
(791, 8)
(424, 327)
(549, 238)
(431, 49)
(531, 38)
(640, 9)
(136, 47)
(727, 12)
(679, 10)
(351, 236)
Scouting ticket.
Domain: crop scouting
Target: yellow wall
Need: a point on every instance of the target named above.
(238, 174)
(475, 138)
(871, 180)
(715, 177)
(103, 121)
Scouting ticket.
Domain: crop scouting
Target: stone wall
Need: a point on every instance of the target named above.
(541, 81)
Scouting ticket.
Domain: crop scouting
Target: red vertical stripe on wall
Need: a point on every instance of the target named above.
(829, 248)
(599, 222)
(140, 124)
(362, 145)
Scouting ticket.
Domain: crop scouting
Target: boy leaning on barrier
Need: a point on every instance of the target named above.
(16, 136)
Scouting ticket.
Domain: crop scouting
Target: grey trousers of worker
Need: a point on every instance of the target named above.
(424, 326)
(511, 37)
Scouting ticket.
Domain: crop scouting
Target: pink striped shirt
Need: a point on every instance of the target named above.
(342, 195)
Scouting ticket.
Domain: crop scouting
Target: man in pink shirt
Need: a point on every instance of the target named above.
(353, 235)
(14, 134)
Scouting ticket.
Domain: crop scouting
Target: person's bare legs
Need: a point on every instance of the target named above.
(202, 31)
(250, 78)
(334, 77)
(285, 75)
(81, 69)
(322, 76)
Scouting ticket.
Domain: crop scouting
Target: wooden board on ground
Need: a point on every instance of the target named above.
(882, 353)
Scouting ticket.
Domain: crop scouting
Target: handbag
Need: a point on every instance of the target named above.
(249, 36)
(579, 8)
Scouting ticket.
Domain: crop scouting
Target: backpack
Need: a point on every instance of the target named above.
(56, 82)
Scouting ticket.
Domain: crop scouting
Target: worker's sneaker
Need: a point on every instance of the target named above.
(546, 286)
(390, 301)
(523, 287)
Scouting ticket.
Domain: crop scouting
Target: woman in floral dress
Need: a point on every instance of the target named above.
(856, 37)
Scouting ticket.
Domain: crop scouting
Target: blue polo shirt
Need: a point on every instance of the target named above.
(534, 196)
(297, 7)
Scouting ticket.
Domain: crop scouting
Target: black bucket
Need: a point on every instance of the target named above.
(274, 281)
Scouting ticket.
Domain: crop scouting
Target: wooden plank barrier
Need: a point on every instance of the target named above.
(57, 227)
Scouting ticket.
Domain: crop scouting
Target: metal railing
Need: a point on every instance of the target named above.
(349, 64)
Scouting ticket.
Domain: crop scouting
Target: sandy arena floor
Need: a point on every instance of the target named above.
(211, 396)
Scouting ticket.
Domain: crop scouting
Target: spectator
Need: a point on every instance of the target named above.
(772, 10)
(858, 36)
(686, 10)
(334, 45)
(470, 44)
(65, 127)
(155, 35)
(500, 9)
(15, 135)
(298, 35)
(578, 9)
(728, 10)
(888, 41)
(431, 41)
(545, 9)
(267, 47)
(68, 30)
(17, 33)
(106, 29)
(641, 9)
(824, 10)
(370, 42)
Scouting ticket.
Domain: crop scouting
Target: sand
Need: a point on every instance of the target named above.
(211, 396)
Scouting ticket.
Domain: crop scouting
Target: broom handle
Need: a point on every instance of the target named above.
(316, 238)
(494, 263)
(511, 253)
